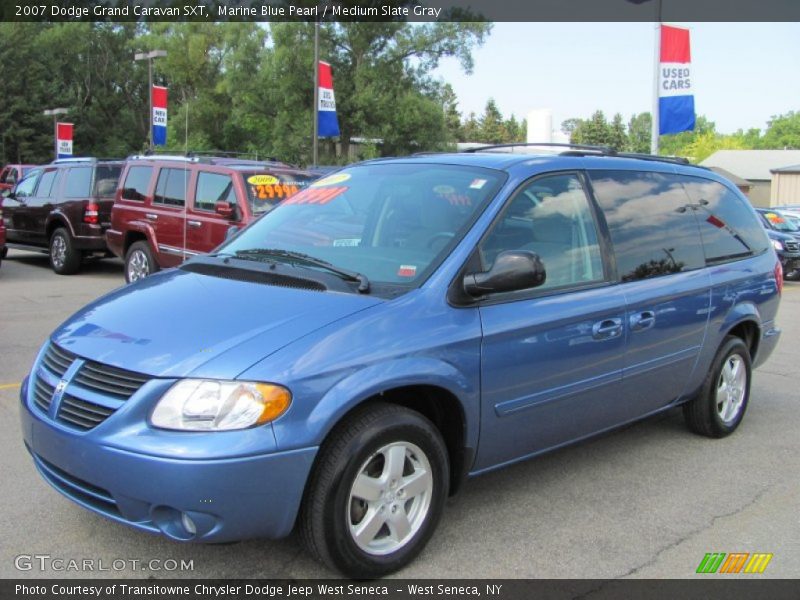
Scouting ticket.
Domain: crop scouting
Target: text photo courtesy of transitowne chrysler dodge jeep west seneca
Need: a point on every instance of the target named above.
(341, 365)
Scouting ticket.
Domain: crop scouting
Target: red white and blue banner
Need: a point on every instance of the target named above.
(328, 123)
(159, 115)
(675, 91)
(64, 140)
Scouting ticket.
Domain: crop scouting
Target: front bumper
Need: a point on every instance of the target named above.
(235, 498)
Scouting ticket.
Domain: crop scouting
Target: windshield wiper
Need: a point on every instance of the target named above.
(304, 259)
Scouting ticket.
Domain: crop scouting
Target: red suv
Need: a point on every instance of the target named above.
(169, 208)
(11, 174)
(3, 249)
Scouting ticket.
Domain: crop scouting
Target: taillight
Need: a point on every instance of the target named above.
(779, 277)
(91, 215)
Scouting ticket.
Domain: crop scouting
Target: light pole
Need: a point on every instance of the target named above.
(55, 112)
(149, 56)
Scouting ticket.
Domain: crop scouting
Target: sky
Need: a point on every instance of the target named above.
(743, 73)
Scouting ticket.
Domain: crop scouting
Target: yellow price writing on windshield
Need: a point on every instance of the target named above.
(273, 191)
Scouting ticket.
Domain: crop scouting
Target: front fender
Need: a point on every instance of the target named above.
(312, 427)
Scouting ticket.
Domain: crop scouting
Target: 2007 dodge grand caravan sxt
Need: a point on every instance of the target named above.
(348, 359)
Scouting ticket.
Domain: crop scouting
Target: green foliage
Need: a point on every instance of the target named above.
(231, 87)
(783, 132)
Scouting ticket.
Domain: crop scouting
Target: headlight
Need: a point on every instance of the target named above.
(207, 405)
(777, 245)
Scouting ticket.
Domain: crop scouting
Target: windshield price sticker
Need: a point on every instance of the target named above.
(314, 195)
(407, 271)
(262, 179)
(273, 191)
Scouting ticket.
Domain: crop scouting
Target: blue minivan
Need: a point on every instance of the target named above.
(344, 363)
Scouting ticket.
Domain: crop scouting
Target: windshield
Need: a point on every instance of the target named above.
(265, 189)
(392, 223)
(780, 223)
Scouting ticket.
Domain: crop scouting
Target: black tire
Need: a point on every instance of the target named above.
(793, 275)
(329, 509)
(139, 251)
(65, 259)
(702, 414)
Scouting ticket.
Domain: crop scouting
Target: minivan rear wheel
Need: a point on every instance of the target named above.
(721, 404)
(65, 259)
(376, 492)
(139, 262)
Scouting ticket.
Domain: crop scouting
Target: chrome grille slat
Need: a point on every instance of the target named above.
(78, 421)
(120, 375)
(97, 419)
(100, 411)
(42, 395)
(96, 385)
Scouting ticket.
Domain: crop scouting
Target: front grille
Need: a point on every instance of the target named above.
(792, 246)
(76, 409)
(105, 379)
(42, 395)
(81, 414)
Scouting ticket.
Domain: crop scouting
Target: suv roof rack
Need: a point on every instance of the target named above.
(212, 157)
(584, 150)
(83, 159)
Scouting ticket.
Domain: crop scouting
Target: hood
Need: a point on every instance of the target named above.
(180, 324)
(779, 235)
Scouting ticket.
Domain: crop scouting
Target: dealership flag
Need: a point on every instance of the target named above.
(64, 139)
(159, 115)
(328, 123)
(675, 92)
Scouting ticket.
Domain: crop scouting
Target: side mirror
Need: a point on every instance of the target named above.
(225, 210)
(512, 270)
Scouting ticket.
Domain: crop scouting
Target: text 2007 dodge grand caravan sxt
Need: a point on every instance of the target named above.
(347, 360)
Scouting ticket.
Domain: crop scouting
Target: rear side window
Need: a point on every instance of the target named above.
(171, 187)
(46, 188)
(137, 182)
(213, 188)
(653, 231)
(728, 226)
(105, 180)
(79, 182)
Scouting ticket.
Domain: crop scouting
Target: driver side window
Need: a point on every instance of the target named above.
(25, 187)
(551, 217)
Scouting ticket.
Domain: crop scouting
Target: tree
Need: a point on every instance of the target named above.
(639, 133)
(593, 131)
(617, 137)
(492, 129)
(783, 132)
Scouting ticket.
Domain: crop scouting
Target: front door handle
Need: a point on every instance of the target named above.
(643, 320)
(607, 329)
(194, 223)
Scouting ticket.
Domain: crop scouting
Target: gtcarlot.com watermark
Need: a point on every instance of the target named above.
(60, 564)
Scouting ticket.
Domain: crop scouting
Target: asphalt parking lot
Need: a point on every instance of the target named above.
(648, 501)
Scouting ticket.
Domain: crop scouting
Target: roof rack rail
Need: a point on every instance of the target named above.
(583, 149)
(206, 156)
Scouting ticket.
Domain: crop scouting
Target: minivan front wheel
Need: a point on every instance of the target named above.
(139, 262)
(376, 492)
(721, 404)
(65, 259)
